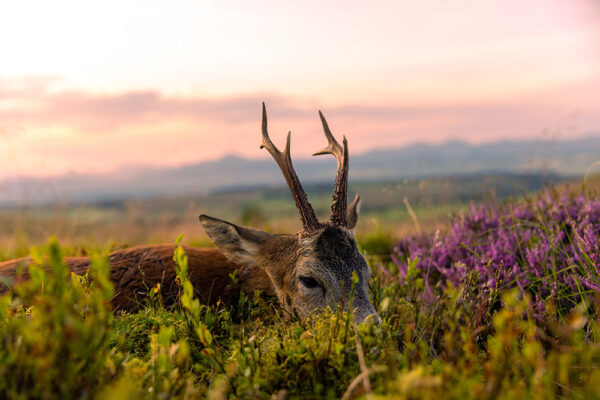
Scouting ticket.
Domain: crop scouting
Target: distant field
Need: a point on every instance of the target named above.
(138, 221)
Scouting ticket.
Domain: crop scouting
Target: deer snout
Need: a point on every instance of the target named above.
(372, 318)
(367, 314)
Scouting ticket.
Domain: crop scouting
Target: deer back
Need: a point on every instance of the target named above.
(137, 270)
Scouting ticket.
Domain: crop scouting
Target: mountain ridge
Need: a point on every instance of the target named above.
(419, 160)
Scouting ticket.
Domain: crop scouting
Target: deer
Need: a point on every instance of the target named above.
(306, 271)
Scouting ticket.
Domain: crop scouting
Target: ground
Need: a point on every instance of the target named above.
(497, 300)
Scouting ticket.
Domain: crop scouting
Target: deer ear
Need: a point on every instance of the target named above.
(239, 243)
(352, 212)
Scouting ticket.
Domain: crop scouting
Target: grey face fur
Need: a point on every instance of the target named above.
(307, 272)
(324, 272)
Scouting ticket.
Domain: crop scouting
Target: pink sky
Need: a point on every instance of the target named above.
(91, 88)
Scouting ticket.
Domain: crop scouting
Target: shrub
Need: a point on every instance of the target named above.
(546, 246)
(54, 333)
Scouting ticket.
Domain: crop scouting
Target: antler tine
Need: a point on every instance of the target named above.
(339, 204)
(310, 222)
(334, 147)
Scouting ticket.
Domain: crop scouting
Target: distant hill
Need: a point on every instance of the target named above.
(563, 158)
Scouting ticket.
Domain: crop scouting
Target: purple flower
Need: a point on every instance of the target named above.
(548, 246)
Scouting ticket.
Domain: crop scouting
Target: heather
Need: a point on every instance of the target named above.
(501, 305)
(547, 246)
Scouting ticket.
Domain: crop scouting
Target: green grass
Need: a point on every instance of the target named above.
(58, 339)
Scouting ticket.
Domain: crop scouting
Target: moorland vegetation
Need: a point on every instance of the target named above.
(500, 302)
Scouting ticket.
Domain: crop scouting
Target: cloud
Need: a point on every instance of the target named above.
(48, 131)
(29, 101)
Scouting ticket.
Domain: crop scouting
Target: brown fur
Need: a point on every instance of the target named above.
(135, 270)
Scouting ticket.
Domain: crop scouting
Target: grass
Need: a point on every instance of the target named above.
(438, 339)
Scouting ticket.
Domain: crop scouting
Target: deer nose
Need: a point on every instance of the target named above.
(372, 319)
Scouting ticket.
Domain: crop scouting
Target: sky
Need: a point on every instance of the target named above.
(91, 87)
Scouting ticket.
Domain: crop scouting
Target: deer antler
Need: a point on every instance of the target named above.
(339, 205)
(284, 160)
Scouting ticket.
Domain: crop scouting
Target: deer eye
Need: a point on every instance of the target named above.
(309, 282)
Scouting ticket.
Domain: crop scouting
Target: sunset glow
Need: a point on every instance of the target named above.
(94, 87)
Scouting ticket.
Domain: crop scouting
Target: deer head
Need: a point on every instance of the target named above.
(313, 268)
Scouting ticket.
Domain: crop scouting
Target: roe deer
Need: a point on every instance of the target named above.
(307, 271)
